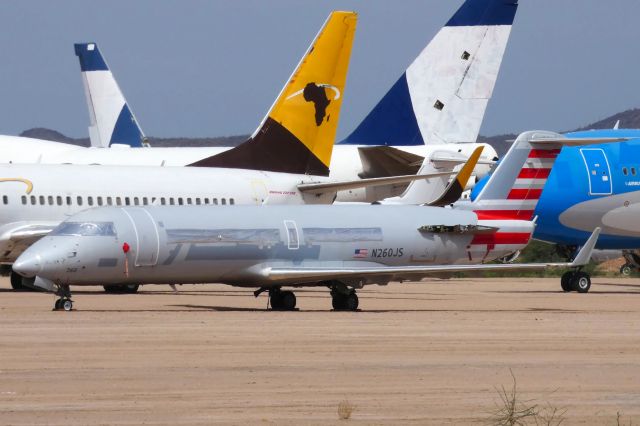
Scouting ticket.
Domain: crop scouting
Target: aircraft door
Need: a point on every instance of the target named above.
(598, 170)
(293, 242)
(147, 238)
(260, 193)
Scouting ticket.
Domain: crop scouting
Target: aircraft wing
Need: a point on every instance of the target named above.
(17, 237)
(303, 274)
(28, 233)
(326, 187)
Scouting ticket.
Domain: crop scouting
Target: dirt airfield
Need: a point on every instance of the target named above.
(418, 353)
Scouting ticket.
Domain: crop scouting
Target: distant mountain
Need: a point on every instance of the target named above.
(52, 135)
(629, 119)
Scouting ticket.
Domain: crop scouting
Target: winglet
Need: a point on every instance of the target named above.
(454, 190)
(584, 255)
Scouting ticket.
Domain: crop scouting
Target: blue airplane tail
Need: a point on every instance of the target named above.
(443, 94)
(112, 121)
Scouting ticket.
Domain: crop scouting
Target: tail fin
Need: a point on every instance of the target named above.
(298, 133)
(443, 95)
(435, 191)
(112, 121)
(515, 186)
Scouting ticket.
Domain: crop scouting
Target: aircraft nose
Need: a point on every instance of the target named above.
(28, 264)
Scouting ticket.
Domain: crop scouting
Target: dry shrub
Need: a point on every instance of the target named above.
(345, 409)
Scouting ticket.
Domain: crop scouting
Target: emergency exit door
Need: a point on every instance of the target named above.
(598, 169)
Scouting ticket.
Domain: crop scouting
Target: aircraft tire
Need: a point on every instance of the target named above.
(111, 289)
(345, 302)
(66, 304)
(130, 288)
(625, 270)
(351, 302)
(581, 282)
(287, 301)
(16, 282)
(566, 281)
(57, 306)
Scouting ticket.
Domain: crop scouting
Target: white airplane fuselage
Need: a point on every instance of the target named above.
(346, 163)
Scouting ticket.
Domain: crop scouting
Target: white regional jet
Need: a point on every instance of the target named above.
(270, 247)
(433, 111)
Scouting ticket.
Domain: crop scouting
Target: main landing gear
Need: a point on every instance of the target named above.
(282, 300)
(121, 289)
(64, 303)
(579, 281)
(343, 298)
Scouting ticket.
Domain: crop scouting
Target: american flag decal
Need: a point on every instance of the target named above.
(360, 253)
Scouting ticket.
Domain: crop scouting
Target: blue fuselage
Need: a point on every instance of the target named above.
(590, 186)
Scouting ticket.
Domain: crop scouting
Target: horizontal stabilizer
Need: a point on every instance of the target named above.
(323, 188)
(382, 161)
(565, 141)
(451, 160)
(454, 190)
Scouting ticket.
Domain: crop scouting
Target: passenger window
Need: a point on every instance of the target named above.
(163, 201)
(118, 201)
(50, 200)
(189, 200)
(625, 171)
(206, 200)
(127, 201)
(145, 201)
(633, 171)
(90, 201)
(59, 200)
(180, 201)
(68, 201)
(171, 201)
(79, 201)
(99, 201)
(5, 200)
(42, 200)
(109, 201)
(24, 199)
(223, 201)
(232, 201)
(136, 201)
(198, 201)
(215, 201)
(33, 200)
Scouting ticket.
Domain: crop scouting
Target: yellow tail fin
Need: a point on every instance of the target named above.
(298, 133)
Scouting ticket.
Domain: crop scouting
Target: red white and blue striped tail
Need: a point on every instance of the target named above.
(514, 188)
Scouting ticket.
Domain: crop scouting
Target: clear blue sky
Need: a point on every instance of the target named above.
(213, 68)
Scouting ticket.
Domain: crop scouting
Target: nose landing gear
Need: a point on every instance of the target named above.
(64, 303)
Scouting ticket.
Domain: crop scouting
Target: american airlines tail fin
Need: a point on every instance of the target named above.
(515, 186)
(112, 121)
(443, 94)
(298, 133)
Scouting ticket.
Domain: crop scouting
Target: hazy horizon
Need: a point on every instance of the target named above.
(212, 68)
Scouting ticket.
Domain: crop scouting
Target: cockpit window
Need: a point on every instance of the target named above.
(85, 229)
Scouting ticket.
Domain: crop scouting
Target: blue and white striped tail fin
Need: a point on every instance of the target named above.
(112, 121)
(443, 94)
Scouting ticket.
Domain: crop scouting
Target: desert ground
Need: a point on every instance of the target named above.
(434, 352)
